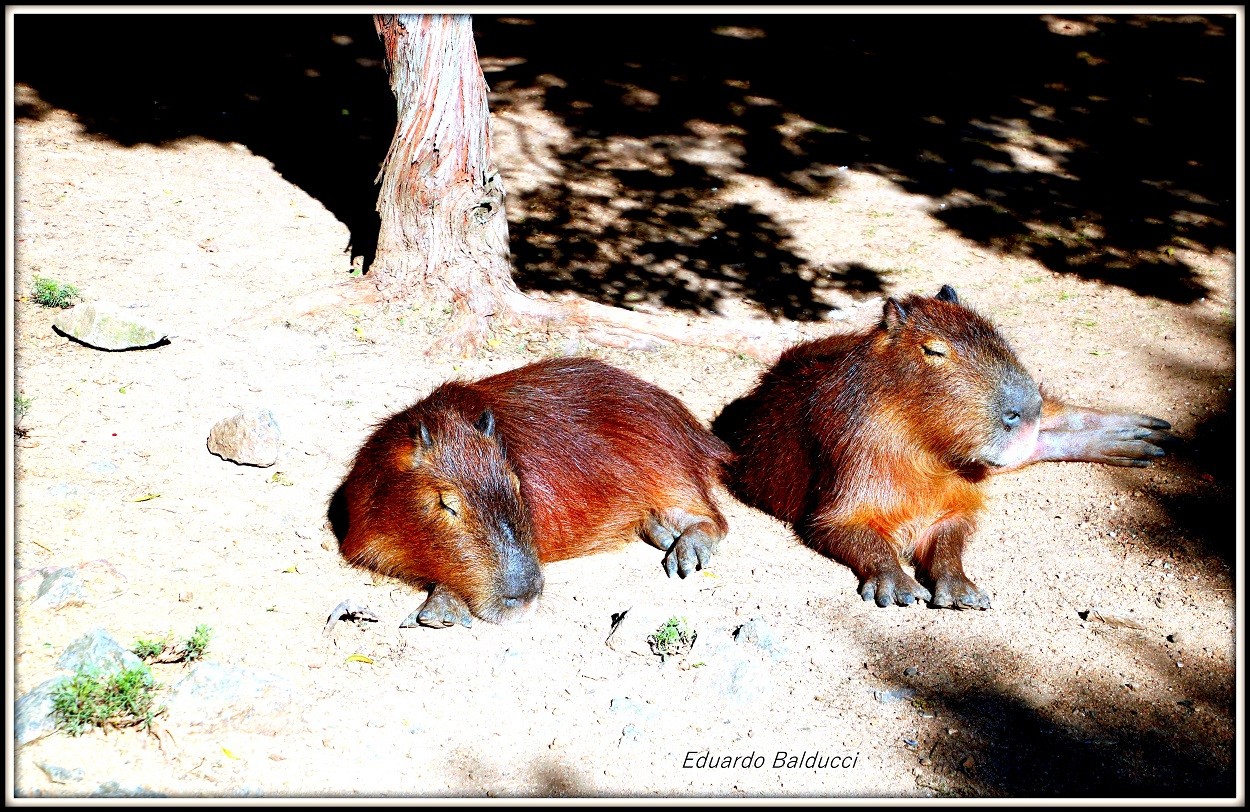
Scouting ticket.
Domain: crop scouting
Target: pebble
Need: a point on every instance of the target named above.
(893, 695)
(215, 696)
(61, 775)
(247, 438)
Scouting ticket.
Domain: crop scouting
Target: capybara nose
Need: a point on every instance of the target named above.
(522, 577)
(1021, 402)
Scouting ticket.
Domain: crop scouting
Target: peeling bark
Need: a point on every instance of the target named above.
(444, 233)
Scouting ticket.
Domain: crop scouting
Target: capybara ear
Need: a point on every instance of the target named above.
(486, 423)
(423, 444)
(948, 294)
(421, 438)
(893, 315)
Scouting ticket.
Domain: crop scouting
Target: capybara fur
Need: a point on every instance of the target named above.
(874, 444)
(470, 490)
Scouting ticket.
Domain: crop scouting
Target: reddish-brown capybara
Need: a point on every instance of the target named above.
(470, 490)
(874, 444)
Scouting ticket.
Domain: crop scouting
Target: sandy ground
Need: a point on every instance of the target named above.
(1032, 698)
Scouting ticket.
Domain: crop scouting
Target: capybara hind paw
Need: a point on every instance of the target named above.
(440, 610)
(897, 588)
(957, 592)
(689, 553)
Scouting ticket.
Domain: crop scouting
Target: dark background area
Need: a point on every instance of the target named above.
(1139, 113)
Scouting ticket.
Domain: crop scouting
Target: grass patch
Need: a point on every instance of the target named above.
(51, 293)
(122, 699)
(673, 638)
(168, 650)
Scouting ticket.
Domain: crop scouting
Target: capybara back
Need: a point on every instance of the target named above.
(874, 444)
(471, 489)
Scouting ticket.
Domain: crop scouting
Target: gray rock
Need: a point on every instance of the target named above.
(112, 789)
(32, 713)
(248, 438)
(106, 326)
(734, 675)
(632, 708)
(61, 775)
(60, 588)
(756, 632)
(97, 651)
(893, 695)
(216, 696)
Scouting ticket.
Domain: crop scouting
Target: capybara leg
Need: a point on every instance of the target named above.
(872, 558)
(442, 608)
(940, 555)
(687, 539)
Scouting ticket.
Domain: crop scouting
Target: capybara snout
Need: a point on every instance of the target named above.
(434, 485)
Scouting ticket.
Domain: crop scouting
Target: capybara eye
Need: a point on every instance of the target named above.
(934, 349)
(449, 502)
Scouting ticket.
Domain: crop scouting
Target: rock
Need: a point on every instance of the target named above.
(60, 588)
(32, 713)
(106, 326)
(745, 681)
(97, 651)
(60, 775)
(756, 632)
(893, 695)
(632, 708)
(247, 438)
(112, 789)
(215, 696)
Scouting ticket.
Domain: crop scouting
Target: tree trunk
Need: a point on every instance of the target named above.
(444, 233)
(444, 236)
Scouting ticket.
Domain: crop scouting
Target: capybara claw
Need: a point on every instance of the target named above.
(440, 610)
(895, 588)
(954, 592)
(686, 557)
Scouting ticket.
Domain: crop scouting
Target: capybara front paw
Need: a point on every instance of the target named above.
(893, 588)
(1133, 446)
(440, 610)
(689, 553)
(957, 592)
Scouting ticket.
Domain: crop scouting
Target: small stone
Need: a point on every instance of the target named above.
(112, 789)
(60, 588)
(98, 651)
(61, 775)
(106, 326)
(894, 695)
(756, 632)
(216, 697)
(911, 671)
(247, 438)
(32, 713)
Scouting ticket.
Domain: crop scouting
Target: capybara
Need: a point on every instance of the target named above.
(470, 490)
(874, 444)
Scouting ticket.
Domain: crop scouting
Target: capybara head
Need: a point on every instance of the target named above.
(474, 521)
(965, 393)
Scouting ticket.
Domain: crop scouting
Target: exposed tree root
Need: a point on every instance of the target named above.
(353, 292)
(593, 322)
(628, 329)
